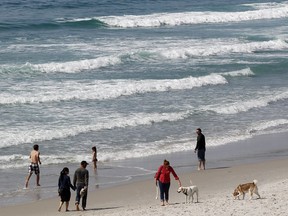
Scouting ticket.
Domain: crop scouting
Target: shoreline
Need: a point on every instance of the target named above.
(214, 185)
(256, 150)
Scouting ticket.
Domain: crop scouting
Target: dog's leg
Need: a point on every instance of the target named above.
(251, 194)
(256, 192)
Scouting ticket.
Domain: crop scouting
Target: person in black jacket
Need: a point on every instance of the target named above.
(200, 149)
(64, 185)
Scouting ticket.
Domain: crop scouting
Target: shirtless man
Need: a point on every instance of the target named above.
(34, 165)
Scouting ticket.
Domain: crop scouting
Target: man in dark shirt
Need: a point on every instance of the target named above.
(200, 149)
(80, 181)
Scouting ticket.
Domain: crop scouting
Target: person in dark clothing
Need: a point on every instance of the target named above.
(80, 182)
(64, 185)
(200, 149)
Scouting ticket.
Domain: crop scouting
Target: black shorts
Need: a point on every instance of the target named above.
(34, 168)
(201, 155)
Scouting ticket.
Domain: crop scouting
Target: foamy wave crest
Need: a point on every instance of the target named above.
(266, 5)
(224, 49)
(146, 149)
(243, 72)
(186, 18)
(16, 137)
(101, 90)
(244, 106)
(76, 66)
(261, 126)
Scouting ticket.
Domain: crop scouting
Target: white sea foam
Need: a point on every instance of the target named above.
(165, 146)
(262, 126)
(101, 89)
(243, 72)
(168, 49)
(76, 66)
(267, 5)
(244, 106)
(185, 18)
(30, 135)
(185, 52)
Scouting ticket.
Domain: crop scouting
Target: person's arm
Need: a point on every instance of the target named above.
(86, 178)
(70, 185)
(175, 176)
(74, 179)
(157, 175)
(59, 182)
(39, 158)
(197, 145)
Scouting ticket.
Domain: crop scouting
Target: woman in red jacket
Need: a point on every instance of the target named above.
(163, 178)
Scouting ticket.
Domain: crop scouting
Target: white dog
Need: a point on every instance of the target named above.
(189, 192)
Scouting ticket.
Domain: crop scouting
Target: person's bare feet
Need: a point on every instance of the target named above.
(77, 207)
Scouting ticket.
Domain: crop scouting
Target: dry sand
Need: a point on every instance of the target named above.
(215, 195)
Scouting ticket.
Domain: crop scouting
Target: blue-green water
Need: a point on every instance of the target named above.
(136, 78)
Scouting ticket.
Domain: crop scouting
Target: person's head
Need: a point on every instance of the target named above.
(36, 147)
(84, 164)
(65, 170)
(198, 131)
(94, 148)
(166, 163)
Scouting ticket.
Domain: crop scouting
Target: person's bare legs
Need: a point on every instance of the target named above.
(199, 165)
(27, 180)
(60, 206)
(67, 205)
(77, 206)
(203, 162)
(37, 179)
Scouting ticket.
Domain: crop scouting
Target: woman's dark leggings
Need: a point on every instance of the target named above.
(164, 191)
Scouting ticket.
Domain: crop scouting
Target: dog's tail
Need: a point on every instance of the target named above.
(255, 181)
(191, 182)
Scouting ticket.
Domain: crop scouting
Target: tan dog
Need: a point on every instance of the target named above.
(250, 188)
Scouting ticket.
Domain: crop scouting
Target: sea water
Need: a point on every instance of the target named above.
(135, 79)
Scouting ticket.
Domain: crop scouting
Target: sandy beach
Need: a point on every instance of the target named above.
(215, 195)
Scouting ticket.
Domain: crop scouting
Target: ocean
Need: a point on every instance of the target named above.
(135, 79)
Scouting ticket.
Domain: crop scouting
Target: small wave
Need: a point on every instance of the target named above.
(82, 22)
(61, 67)
(76, 66)
(20, 136)
(101, 89)
(261, 126)
(224, 49)
(160, 147)
(244, 106)
(188, 18)
(243, 72)
(179, 51)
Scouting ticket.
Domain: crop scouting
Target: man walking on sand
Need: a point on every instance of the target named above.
(34, 165)
(80, 182)
(200, 149)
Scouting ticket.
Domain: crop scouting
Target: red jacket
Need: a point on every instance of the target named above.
(163, 174)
